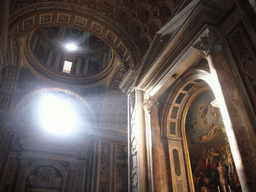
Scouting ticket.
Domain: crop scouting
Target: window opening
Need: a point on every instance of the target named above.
(67, 66)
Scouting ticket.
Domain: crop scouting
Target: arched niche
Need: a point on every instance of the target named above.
(46, 176)
(199, 150)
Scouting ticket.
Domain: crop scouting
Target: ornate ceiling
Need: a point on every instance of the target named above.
(45, 53)
(126, 26)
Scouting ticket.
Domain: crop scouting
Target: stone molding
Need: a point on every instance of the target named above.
(127, 83)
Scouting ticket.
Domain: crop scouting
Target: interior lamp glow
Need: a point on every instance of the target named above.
(56, 115)
(71, 47)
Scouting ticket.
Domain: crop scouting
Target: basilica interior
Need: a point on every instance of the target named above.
(128, 95)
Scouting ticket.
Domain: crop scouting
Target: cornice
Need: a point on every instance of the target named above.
(127, 83)
(179, 48)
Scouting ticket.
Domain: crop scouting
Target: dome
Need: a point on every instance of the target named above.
(69, 55)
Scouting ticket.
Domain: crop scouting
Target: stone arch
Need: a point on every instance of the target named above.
(38, 15)
(186, 90)
(171, 123)
(176, 101)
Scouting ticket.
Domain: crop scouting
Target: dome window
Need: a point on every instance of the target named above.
(67, 66)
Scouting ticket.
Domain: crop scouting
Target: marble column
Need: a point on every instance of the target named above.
(158, 161)
(237, 123)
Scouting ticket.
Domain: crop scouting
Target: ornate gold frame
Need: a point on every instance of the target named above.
(204, 87)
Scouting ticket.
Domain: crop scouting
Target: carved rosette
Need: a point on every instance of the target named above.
(208, 43)
(150, 104)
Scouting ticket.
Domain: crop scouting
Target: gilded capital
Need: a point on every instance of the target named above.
(208, 43)
(150, 104)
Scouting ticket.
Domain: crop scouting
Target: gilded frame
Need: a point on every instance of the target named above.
(190, 100)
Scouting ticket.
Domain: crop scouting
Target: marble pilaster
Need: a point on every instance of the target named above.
(138, 173)
(159, 166)
(238, 127)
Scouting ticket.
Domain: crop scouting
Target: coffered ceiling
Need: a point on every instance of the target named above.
(127, 27)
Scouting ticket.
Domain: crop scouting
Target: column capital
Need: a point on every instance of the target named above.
(150, 104)
(208, 43)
